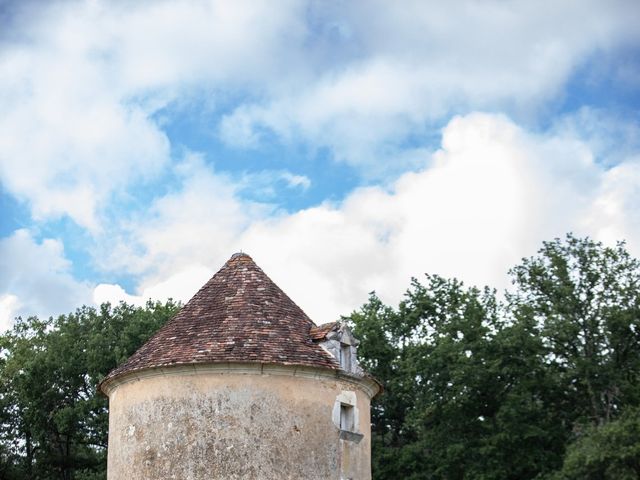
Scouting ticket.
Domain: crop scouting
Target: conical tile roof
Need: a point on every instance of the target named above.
(239, 315)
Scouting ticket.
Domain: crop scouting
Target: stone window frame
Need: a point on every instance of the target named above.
(346, 416)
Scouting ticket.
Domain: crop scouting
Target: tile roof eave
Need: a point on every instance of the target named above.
(369, 383)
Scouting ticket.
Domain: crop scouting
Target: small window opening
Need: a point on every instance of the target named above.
(347, 421)
(345, 357)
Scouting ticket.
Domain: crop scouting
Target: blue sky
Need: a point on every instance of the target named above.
(347, 146)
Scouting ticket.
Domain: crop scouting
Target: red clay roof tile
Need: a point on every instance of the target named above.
(321, 331)
(239, 315)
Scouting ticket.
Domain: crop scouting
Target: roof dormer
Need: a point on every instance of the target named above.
(337, 339)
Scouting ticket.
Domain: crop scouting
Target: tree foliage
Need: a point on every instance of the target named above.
(481, 389)
(53, 422)
(610, 451)
(585, 299)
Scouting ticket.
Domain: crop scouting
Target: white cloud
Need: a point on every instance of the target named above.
(114, 294)
(612, 137)
(83, 84)
(487, 198)
(419, 61)
(80, 83)
(265, 186)
(294, 180)
(9, 307)
(193, 225)
(493, 194)
(36, 279)
(614, 212)
(180, 286)
(85, 88)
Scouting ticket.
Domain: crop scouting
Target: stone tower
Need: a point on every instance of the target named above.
(241, 384)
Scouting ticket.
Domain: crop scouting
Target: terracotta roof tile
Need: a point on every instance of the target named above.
(239, 315)
(321, 331)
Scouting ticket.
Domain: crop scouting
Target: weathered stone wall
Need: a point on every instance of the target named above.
(237, 422)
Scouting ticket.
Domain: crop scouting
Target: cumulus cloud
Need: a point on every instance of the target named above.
(83, 84)
(418, 62)
(36, 279)
(194, 223)
(614, 212)
(485, 199)
(87, 89)
(9, 306)
(180, 287)
(492, 194)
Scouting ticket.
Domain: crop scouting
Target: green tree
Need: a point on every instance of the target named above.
(585, 300)
(443, 414)
(475, 389)
(53, 422)
(606, 452)
(376, 325)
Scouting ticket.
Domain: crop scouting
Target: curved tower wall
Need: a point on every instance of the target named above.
(239, 421)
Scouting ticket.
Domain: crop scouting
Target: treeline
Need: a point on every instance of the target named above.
(53, 422)
(540, 383)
